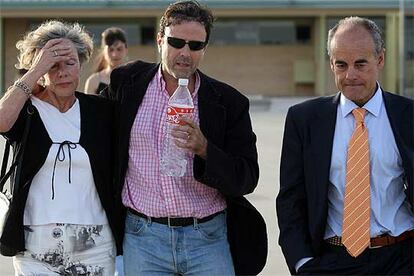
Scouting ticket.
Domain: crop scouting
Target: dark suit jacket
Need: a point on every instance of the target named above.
(231, 166)
(302, 203)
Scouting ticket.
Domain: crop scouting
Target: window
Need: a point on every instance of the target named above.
(409, 37)
(303, 34)
(132, 31)
(141, 32)
(261, 32)
(136, 33)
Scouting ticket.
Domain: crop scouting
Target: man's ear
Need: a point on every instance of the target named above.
(205, 48)
(381, 59)
(159, 41)
(331, 64)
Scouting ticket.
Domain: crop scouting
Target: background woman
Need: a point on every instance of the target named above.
(113, 53)
(62, 218)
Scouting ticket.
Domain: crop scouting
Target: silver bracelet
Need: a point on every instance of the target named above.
(24, 87)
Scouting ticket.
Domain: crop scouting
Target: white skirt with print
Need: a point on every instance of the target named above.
(67, 249)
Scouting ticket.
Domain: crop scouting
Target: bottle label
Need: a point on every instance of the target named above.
(175, 113)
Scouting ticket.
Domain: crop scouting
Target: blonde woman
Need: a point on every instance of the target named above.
(114, 51)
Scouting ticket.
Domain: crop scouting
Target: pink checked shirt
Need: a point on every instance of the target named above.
(145, 189)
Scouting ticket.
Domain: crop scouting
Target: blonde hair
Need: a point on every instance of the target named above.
(50, 30)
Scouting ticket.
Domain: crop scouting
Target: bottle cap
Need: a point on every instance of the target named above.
(183, 82)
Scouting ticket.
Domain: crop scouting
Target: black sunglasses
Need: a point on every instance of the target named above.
(179, 43)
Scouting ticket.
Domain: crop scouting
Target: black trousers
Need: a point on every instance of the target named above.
(396, 259)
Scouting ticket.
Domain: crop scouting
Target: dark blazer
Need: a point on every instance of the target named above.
(302, 203)
(97, 138)
(231, 166)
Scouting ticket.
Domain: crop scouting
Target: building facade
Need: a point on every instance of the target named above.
(270, 48)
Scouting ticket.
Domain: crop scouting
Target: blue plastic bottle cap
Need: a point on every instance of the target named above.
(183, 82)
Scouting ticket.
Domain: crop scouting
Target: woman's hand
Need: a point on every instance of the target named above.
(55, 50)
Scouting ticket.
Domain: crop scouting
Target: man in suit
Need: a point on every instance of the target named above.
(200, 223)
(345, 204)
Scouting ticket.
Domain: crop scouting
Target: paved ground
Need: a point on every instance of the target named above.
(268, 120)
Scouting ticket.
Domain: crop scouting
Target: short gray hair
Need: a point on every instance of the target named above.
(367, 24)
(50, 30)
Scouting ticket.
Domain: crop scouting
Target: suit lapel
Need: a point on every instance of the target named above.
(134, 91)
(212, 114)
(322, 131)
(400, 116)
(399, 122)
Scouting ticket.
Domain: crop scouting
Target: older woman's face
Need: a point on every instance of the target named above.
(63, 77)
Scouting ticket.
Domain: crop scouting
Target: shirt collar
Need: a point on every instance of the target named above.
(373, 106)
(161, 81)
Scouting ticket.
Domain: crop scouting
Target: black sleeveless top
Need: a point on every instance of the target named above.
(102, 86)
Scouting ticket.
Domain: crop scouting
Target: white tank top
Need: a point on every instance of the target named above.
(63, 190)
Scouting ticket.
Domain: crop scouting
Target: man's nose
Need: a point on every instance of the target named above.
(351, 73)
(185, 51)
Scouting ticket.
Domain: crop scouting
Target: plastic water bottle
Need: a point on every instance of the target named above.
(173, 159)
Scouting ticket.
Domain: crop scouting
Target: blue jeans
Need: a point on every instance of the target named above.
(155, 249)
(119, 266)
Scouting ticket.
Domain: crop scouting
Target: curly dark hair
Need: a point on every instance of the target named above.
(187, 11)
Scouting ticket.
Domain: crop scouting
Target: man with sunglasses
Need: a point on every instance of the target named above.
(200, 223)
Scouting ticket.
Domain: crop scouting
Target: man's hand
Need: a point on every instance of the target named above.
(190, 137)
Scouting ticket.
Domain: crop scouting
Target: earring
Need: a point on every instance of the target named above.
(41, 81)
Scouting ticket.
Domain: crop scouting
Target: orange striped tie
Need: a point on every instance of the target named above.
(356, 225)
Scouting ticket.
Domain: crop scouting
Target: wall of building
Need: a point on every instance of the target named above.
(14, 29)
(265, 70)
